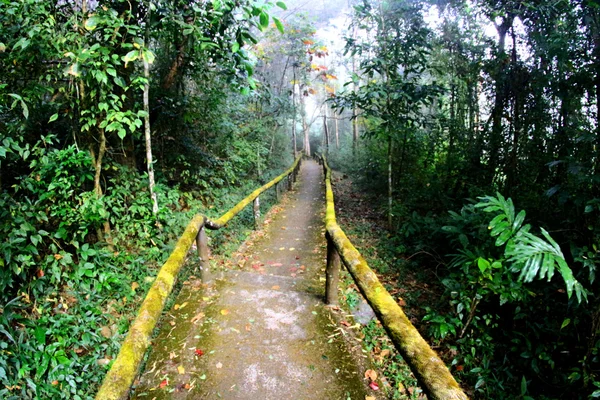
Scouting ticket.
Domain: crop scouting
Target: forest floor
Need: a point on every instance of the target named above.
(261, 329)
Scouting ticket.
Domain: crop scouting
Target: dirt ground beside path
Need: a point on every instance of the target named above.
(261, 331)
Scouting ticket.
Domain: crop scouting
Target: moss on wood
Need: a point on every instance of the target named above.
(123, 371)
(432, 374)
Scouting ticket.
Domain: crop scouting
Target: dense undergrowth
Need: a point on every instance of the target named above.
(505, 329)
(68, 299)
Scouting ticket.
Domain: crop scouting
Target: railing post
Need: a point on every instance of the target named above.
(277, 191)
(332, 272)
(203, 254)
(256, 206)
(289, 181)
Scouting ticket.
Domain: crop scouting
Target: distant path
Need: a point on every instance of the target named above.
(262, 332)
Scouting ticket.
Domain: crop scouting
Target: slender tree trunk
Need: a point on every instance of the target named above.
(354, 110)
(337, 132)
(390, 182)
(305, 127)
(149, 164)
(326, 131)
(500, 97)
(98, 162)
(294, 145)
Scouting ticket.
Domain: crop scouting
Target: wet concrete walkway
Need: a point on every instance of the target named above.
(262, 331)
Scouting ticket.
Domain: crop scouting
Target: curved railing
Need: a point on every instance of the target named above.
(123, 371)
(431, 372)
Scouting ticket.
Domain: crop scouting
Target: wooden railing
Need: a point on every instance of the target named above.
(123, 371)
(431, 372)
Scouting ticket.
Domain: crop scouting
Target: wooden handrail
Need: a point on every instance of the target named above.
(431, 372)
(118, 380)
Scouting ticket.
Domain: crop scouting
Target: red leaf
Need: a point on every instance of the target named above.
(374, 385)
(199, 352)
(164, 383)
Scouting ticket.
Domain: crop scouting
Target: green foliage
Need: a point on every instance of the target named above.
(533, 256)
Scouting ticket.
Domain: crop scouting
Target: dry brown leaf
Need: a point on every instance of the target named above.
(224, 312)
(219, 365)
(276, 287)
(106, 332)
(134, 286)
(371, 375)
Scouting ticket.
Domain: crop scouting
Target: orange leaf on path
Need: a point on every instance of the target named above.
(371, 375)
(164, 383)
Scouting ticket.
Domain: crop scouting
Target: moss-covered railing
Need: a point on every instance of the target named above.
(124, 369)
(431, 372)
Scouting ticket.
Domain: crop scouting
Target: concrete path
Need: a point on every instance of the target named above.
(262, 331)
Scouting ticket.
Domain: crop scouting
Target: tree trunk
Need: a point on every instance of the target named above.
(326, 131)
(390, 181)
(305, 127)
(337, 132)
(149, 164)
(294, 145)
(500, 97)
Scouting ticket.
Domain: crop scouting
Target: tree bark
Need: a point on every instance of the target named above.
(500, 96)
(390, 181)
(305, 127)
(147, 133)
(326, 131)
(337, 132)
(294, 145)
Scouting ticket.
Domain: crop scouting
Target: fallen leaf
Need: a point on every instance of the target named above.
(401, 302)
(181, 370)
(134, 286)
(460, 367)
(199, 352)
(105, 331)
(369, 398)
(276, 287)
(384, 353)
(276, 264)
(172, 355)
(164, 383)
(57, 257)
(224, 312)
(282, 248)
(197, 317)
(371, 375)
(248, 327)
(180, 307)
(172, 323)
(292, 248)
(54, 383)
(345, 323)
(40, 273)
(374, 385)
(219, 365)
